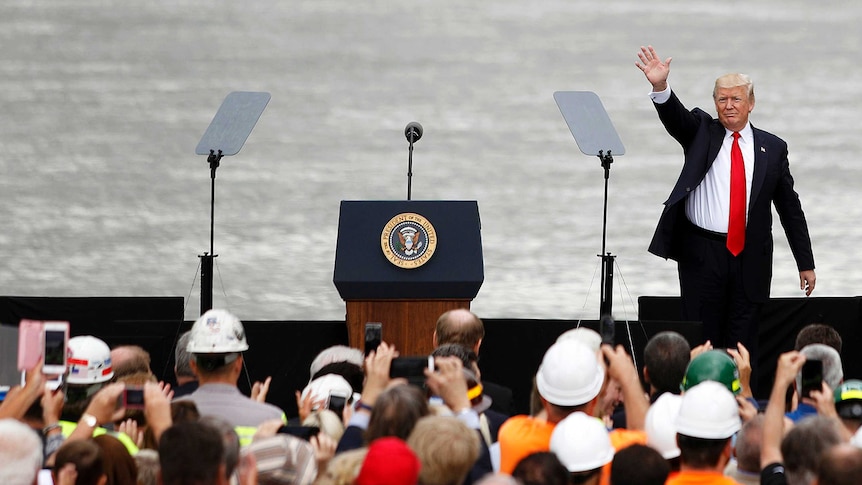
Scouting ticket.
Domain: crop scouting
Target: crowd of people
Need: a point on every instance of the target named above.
(688, 418)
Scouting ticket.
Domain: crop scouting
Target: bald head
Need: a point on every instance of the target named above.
(459, 326)
(130, 359)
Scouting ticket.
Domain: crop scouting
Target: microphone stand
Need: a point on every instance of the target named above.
(410, 166)
(413, 132)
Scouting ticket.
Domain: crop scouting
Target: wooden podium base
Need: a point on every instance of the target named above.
(408, 324)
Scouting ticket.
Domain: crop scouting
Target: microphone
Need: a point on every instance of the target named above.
(413, 131)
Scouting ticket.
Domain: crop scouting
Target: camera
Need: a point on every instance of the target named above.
(133, 397)
(411, 368)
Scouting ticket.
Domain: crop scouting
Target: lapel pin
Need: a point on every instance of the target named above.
(763, 149)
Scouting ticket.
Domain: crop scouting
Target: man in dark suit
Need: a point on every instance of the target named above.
(721, 242)
(463, 327)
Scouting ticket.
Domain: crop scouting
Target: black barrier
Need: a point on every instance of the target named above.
(510, 353)
(781, 320)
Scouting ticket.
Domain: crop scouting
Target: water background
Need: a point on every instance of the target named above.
(102, 104)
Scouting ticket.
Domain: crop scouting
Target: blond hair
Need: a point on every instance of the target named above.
(343, 468)
(733, 80)
(446, 447)
(328, 422)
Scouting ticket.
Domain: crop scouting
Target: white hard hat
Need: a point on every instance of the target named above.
(327, 384)
(570, 374)
(89, 361)
(581, 443)
(217, 332)
(588, 336)
(708, 410)
(660, 425)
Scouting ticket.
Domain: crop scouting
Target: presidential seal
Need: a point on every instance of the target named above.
(408, 240)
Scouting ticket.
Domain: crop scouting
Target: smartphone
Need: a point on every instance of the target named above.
(133, 397)
(336, 402)
(304, 432)
(607, 330)
(29, 344)
(56, 342)
(373, 336)
(812, 377)
(411, 368)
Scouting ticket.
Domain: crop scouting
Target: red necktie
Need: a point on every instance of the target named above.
(736, 222)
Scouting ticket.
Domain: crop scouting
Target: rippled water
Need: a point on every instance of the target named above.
(103, 103)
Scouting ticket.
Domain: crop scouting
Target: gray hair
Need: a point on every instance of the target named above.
(802, 445)
(229, 438)
(748, 442)
(498, 479)
(833, 373)
(148, 466)
(20, 453)
(182, 357)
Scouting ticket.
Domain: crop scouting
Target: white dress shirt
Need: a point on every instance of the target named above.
(708, 205)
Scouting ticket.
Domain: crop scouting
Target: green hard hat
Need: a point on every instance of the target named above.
(848, 399)
(712, 365)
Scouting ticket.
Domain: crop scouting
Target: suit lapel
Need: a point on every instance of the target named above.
(716, 138)
(761, 159)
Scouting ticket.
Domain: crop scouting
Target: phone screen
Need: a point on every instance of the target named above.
(336, 404)
(607, 330)
(55, 347)
(373, 336)
(812, 377)
(133, 398)
(55, 342)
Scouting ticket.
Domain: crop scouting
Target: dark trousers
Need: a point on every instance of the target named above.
(712, 292)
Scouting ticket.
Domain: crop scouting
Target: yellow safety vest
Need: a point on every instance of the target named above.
(68, 427)
(246, 433)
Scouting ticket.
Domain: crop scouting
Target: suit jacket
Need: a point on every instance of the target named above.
(701, 138)
(501, 398)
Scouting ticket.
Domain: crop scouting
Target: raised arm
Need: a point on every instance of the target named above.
(653, 68)
(622, 368)
(788, 366)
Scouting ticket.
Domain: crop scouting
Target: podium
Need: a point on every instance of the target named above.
(404, 263)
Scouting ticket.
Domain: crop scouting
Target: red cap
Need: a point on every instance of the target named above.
(389, 462)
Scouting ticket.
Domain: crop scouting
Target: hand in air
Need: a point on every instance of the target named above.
(655, 70)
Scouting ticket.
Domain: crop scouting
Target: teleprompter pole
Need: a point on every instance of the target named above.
(595, 134)
(207, 258)
(225, 136)
(607, 297)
